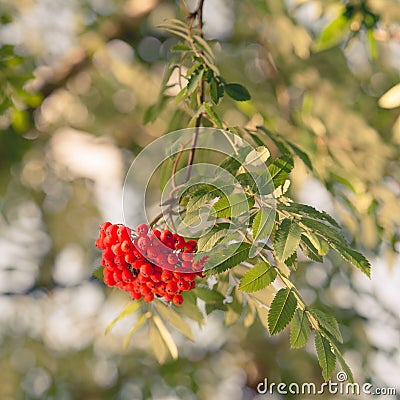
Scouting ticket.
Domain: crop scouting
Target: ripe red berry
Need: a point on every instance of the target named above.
(123, 233)
(167, 276)
(143, 242)
(149, 297)
(142, 229)
(177, 299)
(187, 256)
(171, 288)
(172, 258)
(183, 285)
(166, 236)
(136, 295)
(191, 245)
(146, 269)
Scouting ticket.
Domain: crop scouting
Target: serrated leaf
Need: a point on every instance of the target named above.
(230, 165)
(302, 155)
(328, 322)
(263, 223)
(326, 359)
(197, 201)
(292, 261)
(221, 261)
(130, 308)
(141, 320)
(232, 205)
(286, 239)
(282, 310)
(172, 317)
(237, 92)
(309, 211)
(261, 275)
(209, 241)
(353, 257)
(309, 250)
(343, 364)
(338, 243)
(166, 336)
(299, 329)
(280, 169)
(98, 273)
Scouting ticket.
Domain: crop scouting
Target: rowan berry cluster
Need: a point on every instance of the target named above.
(148, 263)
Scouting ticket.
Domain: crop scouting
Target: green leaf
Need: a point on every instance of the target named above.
(180, 47)
(232, 205)
(326, 358)
(210, 240)
(231, 165)
(189, 307)
(339, 243)
(343, 364)
(210, 296)
(280, 169)
(292, 261)
(309, 211)
(194, 82)
(309, 250)
(282, 310)
(216, 91)
(328, 322)
(353, 257)
(223, 260)
(213, 116)
(170, 315)
(299, 329)
(302, 155)
(332, 34)
(237, 92)
(261, 275)
(130, 308)
(263, 223)
(287, 238)
(98, 273)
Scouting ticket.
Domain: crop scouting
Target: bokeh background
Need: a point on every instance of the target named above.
(76, 79)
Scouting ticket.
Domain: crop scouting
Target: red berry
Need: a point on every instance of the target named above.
(187, 265)
(183, 285)
(187, 256)
(126, 246)
(166, 236)
(149, 297)
(179, 243)
(123, 233)
(191, 245)
(127, 275)
(146, 269)
(171, 288)
(136, 295)
(172, 258)
(156, 277)
(177, 300)
(167, 276)
(104, 226)
(143, 242)
(142, 229)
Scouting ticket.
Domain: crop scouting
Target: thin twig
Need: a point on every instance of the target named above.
(199, 14)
